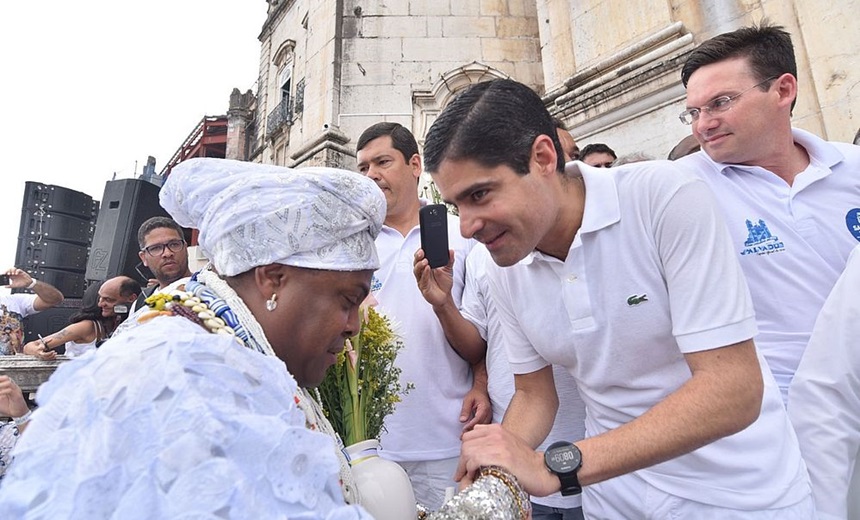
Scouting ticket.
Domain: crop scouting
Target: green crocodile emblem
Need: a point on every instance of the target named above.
(636, 299)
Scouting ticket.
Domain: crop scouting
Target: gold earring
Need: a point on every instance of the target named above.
(272, 303)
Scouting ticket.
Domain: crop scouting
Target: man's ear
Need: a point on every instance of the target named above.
(786, 87)
(544, 158)
(415, 164)
(142, 256)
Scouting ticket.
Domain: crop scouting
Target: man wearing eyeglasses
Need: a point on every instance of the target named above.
(164, 251)
(791, 200)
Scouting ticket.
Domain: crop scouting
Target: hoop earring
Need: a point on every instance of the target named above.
(272, 303)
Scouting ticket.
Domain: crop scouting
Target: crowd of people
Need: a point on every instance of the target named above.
(663, 339)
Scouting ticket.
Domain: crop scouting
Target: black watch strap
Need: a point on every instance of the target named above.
(569, 483)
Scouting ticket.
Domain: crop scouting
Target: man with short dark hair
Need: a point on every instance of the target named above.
(598, 155)
(423, 433)
(790, 198)
(164, 251)
(603, 275)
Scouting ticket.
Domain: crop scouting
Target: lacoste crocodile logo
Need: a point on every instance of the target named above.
(636, 299)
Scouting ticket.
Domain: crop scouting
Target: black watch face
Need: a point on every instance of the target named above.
(563, 459)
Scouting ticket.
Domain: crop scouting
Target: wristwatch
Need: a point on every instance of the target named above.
(564, 459)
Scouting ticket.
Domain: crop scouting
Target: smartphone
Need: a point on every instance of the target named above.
(433, 220)
(4, 279)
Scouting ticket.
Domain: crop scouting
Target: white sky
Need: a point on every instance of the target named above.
(90, 87)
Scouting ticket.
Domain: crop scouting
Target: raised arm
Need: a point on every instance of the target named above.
(436, 286)
(47, 295)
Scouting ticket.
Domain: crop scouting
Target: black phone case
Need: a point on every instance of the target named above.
(433, 220)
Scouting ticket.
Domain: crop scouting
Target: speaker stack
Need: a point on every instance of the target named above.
(54, 237)
(57, 226)
(126, 204)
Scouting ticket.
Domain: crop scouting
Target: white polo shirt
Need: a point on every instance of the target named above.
(650, 276)
(825, 400)
(792, 241)
(425, 425)
(478, 307)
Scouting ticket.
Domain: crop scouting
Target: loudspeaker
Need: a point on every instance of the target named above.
(57, 226)
(51, 320)
(39, 226)
(56, 199)
(126, 204)
(52, 254)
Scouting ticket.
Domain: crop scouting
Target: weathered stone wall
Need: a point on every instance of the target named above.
(596, 51)
(397, 48)
(609, 68)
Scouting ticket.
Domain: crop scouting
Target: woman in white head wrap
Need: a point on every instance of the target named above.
(172, 420)
(182, 416)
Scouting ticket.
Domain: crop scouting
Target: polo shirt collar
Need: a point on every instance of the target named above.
(820, 152)
(602, 208)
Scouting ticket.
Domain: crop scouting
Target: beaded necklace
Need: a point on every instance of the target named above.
(201, 304)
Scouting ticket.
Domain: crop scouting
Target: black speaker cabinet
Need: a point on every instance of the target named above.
(56, 199)
(126, 204)
(52, 254)
(40, 226)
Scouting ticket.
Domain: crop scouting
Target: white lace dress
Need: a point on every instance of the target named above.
(171, 421)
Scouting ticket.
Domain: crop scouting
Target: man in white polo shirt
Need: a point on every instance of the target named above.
(423, 432)
(790, 199)
(627, 278)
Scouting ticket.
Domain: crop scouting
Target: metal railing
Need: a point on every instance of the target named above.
(280, 117)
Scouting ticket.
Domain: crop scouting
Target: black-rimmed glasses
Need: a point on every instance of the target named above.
(720, 104)
(158, 249)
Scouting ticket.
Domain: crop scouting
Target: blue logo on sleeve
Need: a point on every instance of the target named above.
(375, 284)
(760, 240)
(852, 220)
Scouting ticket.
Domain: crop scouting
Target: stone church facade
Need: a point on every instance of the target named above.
(610, 69)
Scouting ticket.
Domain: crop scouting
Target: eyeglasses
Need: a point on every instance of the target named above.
(716, 106)
(158, 249)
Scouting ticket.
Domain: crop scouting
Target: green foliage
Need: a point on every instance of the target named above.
(363, 387)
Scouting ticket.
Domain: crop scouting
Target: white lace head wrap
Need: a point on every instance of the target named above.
(253, 214)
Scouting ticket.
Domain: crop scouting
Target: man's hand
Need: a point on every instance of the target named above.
(12, 403)
(18, 279)
(435, 284)
(476, 408)
(492, 445)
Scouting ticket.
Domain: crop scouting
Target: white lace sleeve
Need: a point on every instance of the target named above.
(8, 439)
(167, 421)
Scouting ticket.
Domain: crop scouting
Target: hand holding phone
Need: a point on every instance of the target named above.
(433, 221)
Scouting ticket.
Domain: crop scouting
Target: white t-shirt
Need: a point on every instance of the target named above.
(478, 307)
(13, 309)
(425, 425)
(824, 400)
(792, 241)
(163, 423)
(649, 277)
